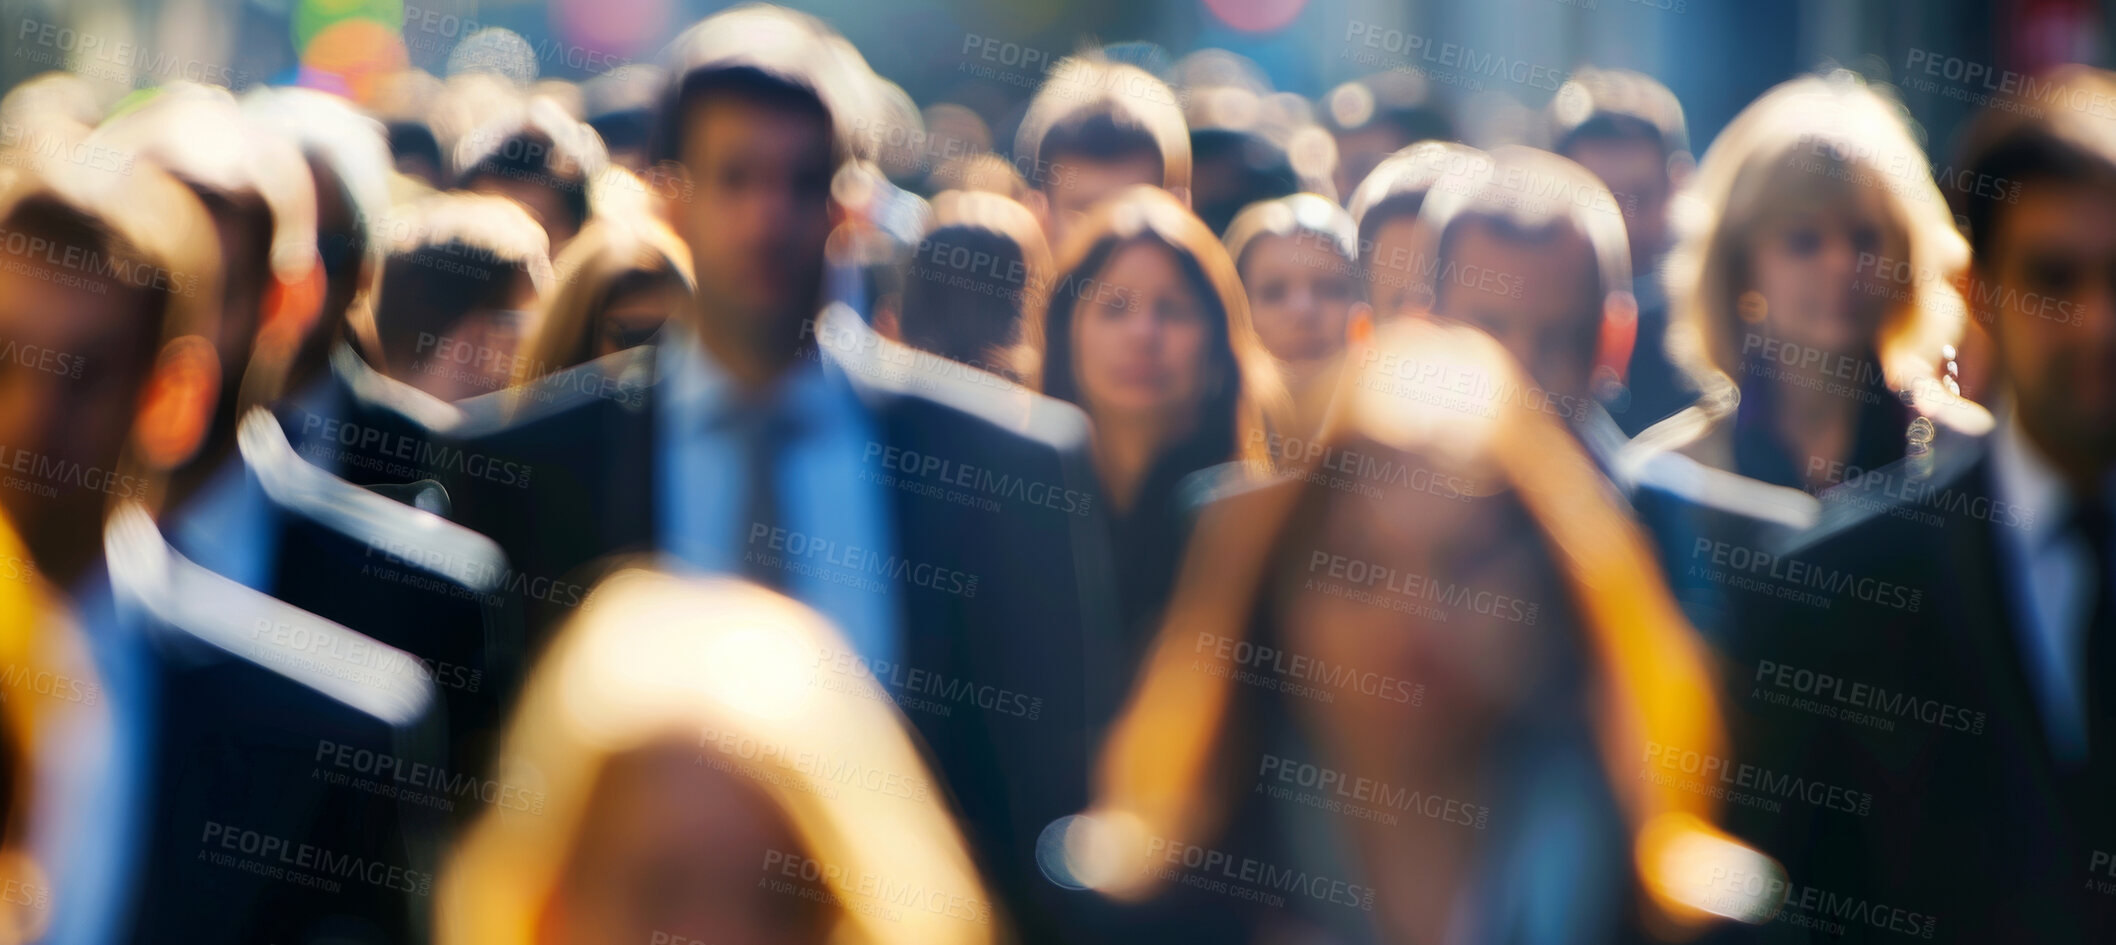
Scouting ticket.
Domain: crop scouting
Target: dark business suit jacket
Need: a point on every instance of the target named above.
(1038, 622)
(1880, 657)
(252, 830)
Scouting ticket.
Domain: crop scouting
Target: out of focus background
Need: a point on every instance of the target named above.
(1493, 62)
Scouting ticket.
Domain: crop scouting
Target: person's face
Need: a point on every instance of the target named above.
(673, 850)
(477, 357)
(758, 213)
(1445, 595)
(1139, 340)
(1301, 294)
(1076, 184)
(543, 202)
(1806, 267)
(1394, 265)
(1636, 172)
(1539, 300)
(2054, 329)
(56, 419)
(632, 318)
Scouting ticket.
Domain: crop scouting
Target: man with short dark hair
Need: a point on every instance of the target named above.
(1096, 127)
(1628, 130)
(1964, 643)
(936, 517)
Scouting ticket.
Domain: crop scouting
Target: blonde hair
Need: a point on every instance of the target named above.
(611, 254)
(652, 657)
(1157, 774)
(1809, 140)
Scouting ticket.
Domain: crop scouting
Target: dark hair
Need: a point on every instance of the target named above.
(755, 84)
(412, 139)
(68, 227)
(1616, 105)
(450, 255)
(968, 315)
(2019, 146)
(1259, 170)
(1101, 134)
(624, 129)
(542, 146)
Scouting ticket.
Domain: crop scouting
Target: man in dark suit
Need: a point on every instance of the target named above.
(1628, 130)
(1941, 647)
(936, 515)
(212, 701)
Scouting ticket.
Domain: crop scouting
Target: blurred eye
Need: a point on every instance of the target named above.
(2051, 275)
(1803, 241)
(1273, 292)
(1866, 239)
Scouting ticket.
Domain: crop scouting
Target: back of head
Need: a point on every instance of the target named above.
(975, 276)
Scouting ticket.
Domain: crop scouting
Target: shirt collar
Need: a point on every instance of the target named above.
(698, 390)
(2025, 479)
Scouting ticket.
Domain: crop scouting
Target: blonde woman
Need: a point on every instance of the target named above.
(1813, 292)
(1448, 691)
(618, 281)
(695, 760)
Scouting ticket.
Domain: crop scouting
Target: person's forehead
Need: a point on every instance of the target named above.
(723, 124)
(2057, 216)
(1554, 263)
(36, 307)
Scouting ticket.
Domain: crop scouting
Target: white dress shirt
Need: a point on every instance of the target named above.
(841, 517)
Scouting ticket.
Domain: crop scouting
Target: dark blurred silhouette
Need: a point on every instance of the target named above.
(540, 157)
(973, 280)
(1380, 115)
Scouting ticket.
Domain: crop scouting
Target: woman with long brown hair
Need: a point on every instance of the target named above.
(1438, 670)
(1146, 328)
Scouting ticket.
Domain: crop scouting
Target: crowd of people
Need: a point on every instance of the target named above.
(723, 501)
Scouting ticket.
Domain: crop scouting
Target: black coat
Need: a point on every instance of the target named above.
(1951, 818)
